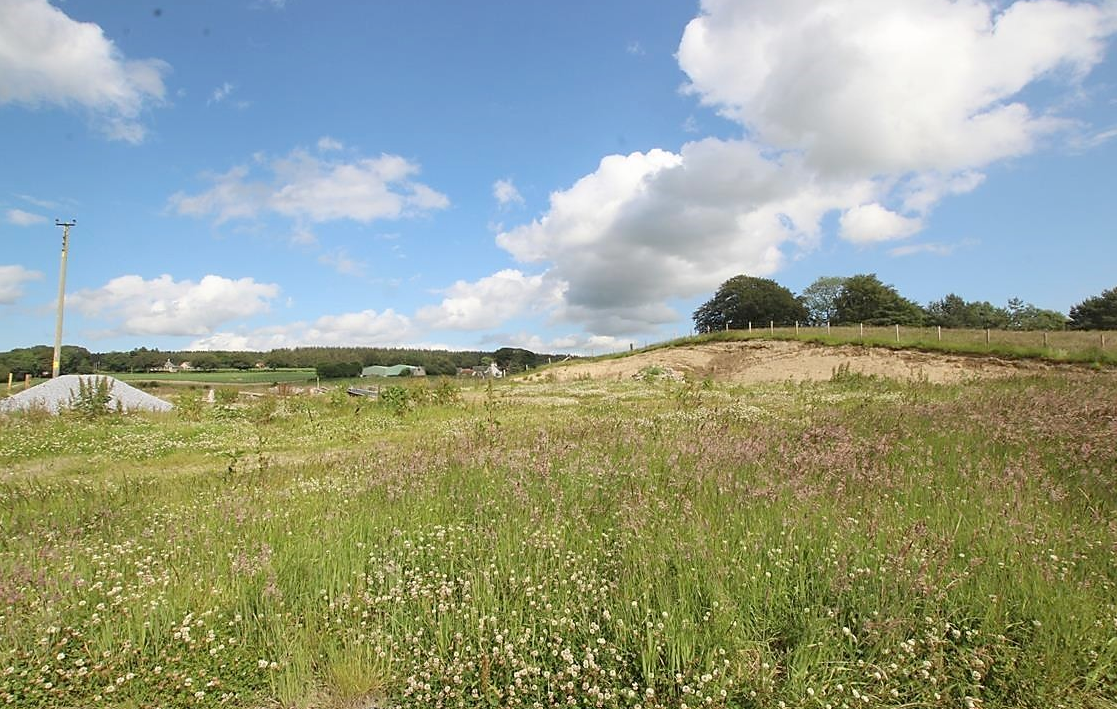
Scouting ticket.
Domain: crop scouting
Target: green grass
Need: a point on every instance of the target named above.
(1070, 346)
(224, 376)
(621, 544)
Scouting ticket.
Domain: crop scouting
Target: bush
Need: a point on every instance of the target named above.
(93, 397)
(189, 404)
(447, 393)
(224, 402)
(396, 398)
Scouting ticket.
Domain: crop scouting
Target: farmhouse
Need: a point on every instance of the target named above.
(170, 366)
(492, 370)
(396, 370)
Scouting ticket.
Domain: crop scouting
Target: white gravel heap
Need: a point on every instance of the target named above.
(56, 395)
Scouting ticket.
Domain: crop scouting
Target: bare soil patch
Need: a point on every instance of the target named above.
(756, 361)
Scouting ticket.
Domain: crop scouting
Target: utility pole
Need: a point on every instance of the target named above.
(61, 295)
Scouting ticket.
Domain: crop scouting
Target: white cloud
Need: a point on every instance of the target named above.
(22, 218)
(220, 93)
(635, 49)
(928, 248)
(884, 86)
(302, 236)
(1093, 139)
(12, 279)
(340, 260)
(302, 186)
(490, 301)
(48, 58)
(874, 109)
(933, 248)
(367, 328)
(869, 223)
(567, 344)
(231, 197)
(506, 193)
(42, 203)
(924, 191)
(649, 227)
(327, 144)
(163, 306)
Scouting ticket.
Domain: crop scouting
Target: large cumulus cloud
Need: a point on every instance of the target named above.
(871, 109)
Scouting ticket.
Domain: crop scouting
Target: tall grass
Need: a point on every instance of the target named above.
(851, 543)
(1073, 346)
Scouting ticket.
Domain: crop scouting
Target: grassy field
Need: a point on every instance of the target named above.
(224, 376)
(853, 543)
(1081, 346)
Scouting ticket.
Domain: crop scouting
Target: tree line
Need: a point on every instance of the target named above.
(78, 360)
(863, 298)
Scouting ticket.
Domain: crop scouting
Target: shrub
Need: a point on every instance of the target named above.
(93, 397)
(189, 404)
(396, 398)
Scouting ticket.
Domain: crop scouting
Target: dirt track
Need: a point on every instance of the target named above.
(777, 361)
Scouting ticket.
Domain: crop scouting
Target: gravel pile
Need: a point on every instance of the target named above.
(56, 394)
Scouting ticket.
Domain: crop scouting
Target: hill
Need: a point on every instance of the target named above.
(755, 361)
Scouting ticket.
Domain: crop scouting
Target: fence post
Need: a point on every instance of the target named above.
(1103, 340)
(827, 327)
(897, 332)
(750, 326)
(1045, 338)
(797, 333)
(940, 333)
(987, 336)
(772, 327)
(862, 326)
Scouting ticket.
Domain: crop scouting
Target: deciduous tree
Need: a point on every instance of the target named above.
(820, 297)
(745, 299)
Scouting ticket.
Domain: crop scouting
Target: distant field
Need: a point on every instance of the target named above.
(224, 376)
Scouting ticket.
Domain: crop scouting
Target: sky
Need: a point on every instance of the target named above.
(568, 176)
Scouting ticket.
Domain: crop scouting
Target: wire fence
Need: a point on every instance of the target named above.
(1065, 340)
(1054, 344)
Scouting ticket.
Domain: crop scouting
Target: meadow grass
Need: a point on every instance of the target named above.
(854, 543)
(224, 376)
(1073, 346)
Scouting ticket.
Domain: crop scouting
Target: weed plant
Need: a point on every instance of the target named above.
(853, 543)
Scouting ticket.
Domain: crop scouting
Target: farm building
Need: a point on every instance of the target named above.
(491, 370)
(395, 370)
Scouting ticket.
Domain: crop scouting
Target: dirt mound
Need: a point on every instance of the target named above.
(57, 394)
(754, 361)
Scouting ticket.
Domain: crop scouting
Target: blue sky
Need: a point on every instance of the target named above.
(575, 176)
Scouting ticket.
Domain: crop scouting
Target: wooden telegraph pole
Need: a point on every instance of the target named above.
(61, 295)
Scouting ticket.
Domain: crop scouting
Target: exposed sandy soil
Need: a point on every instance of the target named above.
(778, 361)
